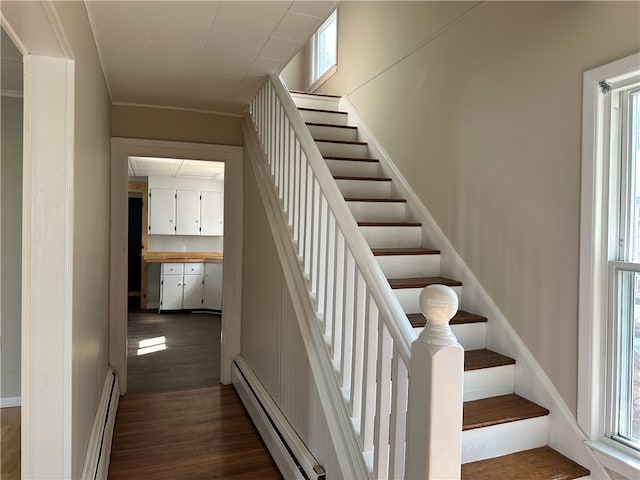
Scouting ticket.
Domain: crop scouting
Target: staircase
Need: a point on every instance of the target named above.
(504, 435)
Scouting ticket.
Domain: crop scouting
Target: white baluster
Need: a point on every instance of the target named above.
(434, 431)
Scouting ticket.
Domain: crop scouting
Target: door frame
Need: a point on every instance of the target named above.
(121, 150)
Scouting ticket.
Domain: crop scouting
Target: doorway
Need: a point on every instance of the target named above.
(122, 150)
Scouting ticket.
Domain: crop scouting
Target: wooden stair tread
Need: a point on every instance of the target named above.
(389, 224)
(362, 199)
(300, 92)
(321, 110)
(460, 318)
(485, 358)
(381, 252)
(352, 177)
(421, 282)
(344, 142)
(543, 463)
(351, 159)
(315, 124)
(497, 410)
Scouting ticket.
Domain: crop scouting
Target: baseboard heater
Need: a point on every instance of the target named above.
(96, 463)
(290, 454)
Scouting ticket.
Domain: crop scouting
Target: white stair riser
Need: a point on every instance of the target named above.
(471, 336)
(390, 237)
(333, 133)
(498, 440)
(488, 382)
(364, 188)
(409, 298)
(314, 101)
(324, 117)
(378, 211)
(350, 150)
(409, 266)
(353, 169)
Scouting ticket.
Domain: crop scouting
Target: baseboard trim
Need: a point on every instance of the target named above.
(8, 402)
(96, 463)
(291, 455)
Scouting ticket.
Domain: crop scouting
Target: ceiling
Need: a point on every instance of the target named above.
(174, 167)
(10, 66)
(202, 55)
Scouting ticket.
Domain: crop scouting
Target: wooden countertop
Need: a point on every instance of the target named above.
(182, 257)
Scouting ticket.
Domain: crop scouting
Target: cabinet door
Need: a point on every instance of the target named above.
(188, 212)
(162, 211)
(213, 286)
(212, 216)
(171, 292)
(192, 297)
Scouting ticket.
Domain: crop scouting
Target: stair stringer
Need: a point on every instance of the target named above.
(338, 420)
(531, 381)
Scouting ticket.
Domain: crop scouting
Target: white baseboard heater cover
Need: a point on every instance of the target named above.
(96, 464)
(290, 454)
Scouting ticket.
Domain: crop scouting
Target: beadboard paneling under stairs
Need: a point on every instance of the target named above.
(504, 434)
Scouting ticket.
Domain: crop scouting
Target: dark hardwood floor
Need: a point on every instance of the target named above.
(10, 445)
(190, 434)
(172, 351)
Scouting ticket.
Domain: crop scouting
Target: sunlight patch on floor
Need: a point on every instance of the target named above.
(151, 345)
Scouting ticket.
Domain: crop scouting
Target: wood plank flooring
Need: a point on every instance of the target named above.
(190, 434)
(191, 358)
(10, 443)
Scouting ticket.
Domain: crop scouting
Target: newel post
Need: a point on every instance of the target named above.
(434, 416)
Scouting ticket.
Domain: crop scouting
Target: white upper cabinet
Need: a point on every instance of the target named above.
(162, 211)
(191, 208)
(212, 213)
(188, 212)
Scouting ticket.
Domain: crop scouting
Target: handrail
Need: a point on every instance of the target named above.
(392, 313)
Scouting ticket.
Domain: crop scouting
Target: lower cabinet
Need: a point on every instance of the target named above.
(190, 286)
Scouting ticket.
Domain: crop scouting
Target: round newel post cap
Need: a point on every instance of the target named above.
(439, 304)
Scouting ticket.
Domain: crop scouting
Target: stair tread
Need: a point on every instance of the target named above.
(421, 282)
(497, 410)
(351, 159)
(381, 252)
(299, 92)
(543, 463)
(344, 142)
(389, 224)
(485, 358)
(315, 124)
(307, 109)
(460, 318)
(355, 177)
(366, 199)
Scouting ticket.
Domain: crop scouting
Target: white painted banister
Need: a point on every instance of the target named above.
(434, 434)
(366, 333)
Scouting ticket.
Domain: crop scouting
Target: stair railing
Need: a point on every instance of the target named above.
(367, 335)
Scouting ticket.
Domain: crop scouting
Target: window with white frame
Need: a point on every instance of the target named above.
(324, 50)
(609, 355)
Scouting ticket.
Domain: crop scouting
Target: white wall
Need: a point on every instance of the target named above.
(90, 331)
(271, 339)
(479, 105)
(11, 254)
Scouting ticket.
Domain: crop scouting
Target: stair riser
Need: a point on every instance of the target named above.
(471, 336)
(364, 188)
(324, 117)
(343, 150)
(353, 169)
(390, 237)
(409, 298)
(334, 133)
(409, 266)
(378, 211)
(498, 440)
(488, 382)
(312, 101)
